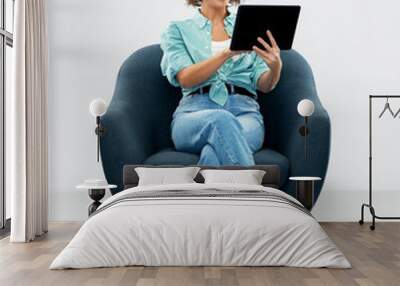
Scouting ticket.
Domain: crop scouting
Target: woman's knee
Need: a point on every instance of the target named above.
(184, 133)
(223, 119)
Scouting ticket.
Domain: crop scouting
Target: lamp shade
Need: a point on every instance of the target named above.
(97, 107)
(305, 107)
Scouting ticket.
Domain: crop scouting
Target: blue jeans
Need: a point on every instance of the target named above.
(222, 135)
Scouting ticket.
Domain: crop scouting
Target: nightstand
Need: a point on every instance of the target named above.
(96, 190)
(305, 190)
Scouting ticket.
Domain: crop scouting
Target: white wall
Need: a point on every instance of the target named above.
(353, 47)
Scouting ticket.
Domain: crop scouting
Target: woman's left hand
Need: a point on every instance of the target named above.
(271, 54)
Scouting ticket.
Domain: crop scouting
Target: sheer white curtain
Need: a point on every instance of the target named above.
(27, 122)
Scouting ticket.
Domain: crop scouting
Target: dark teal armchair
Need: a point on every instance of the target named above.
(138, 120)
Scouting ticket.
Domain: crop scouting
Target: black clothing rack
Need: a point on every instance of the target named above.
(370, 203)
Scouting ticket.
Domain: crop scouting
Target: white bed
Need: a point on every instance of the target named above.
(206, 230)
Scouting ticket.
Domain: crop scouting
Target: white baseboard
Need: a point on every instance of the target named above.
(69, 206)
(346, 205)
(331, 206)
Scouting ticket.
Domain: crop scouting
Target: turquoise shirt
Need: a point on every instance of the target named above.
(189, 41)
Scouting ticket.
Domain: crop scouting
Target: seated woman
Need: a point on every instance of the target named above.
(218, 116)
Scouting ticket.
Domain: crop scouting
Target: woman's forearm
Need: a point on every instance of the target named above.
(268, 80)
(200, 72)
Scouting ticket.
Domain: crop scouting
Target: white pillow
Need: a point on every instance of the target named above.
(166, 176)
(248, 177)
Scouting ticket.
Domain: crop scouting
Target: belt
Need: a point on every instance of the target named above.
(232, 89)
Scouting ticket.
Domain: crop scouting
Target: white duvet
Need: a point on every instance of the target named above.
(200, 231)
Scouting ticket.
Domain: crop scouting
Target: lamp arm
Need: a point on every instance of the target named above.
(100, 131)
(98, 137)
(307, 131)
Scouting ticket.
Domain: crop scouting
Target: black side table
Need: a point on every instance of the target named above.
(305, 190)
(96, 193)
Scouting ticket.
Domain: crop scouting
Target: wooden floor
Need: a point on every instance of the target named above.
(375, 257)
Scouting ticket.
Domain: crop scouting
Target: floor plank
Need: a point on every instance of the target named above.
(375, 257)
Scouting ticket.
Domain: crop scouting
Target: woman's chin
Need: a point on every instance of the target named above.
(219, 4)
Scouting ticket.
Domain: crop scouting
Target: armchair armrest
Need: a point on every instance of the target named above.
(283, 122)
(291, 144)
(138, 119)
(127, 140)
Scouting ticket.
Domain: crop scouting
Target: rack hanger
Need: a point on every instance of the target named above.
(397, 113)
(387, 107)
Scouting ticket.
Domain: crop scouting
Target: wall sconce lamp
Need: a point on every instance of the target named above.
(305, 108)
(97, 108)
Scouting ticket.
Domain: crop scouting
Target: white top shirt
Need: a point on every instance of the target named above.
(219, 46)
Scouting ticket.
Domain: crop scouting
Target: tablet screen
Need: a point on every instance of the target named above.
(253, 21)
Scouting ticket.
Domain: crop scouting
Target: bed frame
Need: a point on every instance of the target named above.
(271, 177)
